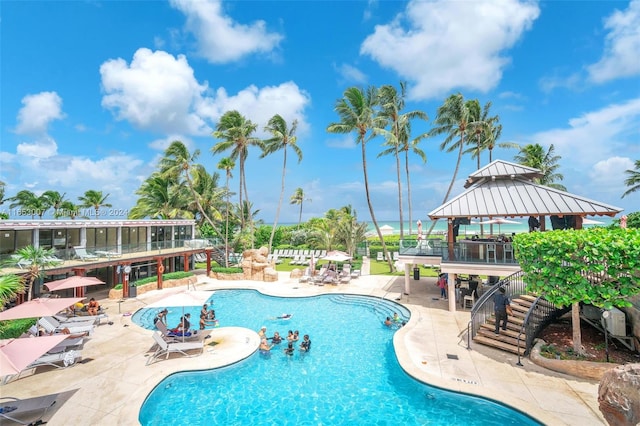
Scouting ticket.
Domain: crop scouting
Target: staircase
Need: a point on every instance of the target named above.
(530, 315)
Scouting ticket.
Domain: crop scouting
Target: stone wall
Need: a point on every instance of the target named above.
(142, 289)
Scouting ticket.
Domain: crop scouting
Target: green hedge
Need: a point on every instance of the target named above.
(168, 276)
(227, 270)
(14, 328)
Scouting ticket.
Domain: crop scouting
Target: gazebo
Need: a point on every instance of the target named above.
(506, 190)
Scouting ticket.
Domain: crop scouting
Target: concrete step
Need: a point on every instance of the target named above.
(497, 343)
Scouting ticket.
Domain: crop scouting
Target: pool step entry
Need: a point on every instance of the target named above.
(382, 307)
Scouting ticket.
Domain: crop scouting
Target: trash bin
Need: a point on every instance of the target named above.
(132, 291)
(416, 273)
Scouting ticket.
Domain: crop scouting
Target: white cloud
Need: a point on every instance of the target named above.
(611, 172)
(622, 46)
(38, 111)
(44, 147)
(159, 93)
(163, 143)
(442, 45)
(596, 135)
(155, 92)
(220, 39)
(350, 74)
(260, 104)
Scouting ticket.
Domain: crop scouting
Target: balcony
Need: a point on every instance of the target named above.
(481, 251)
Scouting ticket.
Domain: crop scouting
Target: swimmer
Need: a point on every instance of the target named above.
(396, 317)
(388, 322)
(305, 345)
(264, 346)
(285, 316)
(289, 349)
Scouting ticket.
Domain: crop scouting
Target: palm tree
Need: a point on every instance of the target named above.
(452, 119)
(10, 286)
(55, 199)
(392, 103)
(227, 164)
(30, 204)
(236, 133)
(298, 198)
(176, 164)
(95, 199)
(159, 198)
(633, 180)
(2, 187)
(210, 194)
(533, 155)
(356, 110)
(67, 209)
(282, 138)
(408, 144)
(38, 259)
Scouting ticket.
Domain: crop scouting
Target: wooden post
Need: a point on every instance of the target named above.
(450, 239)
(160, 270)
(186, 262)
(208, 262)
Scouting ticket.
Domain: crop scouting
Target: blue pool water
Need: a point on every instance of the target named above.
(350, 377)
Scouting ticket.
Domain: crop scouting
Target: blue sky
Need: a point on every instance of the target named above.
(93, 92)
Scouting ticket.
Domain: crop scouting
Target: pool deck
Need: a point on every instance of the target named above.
(111, 383)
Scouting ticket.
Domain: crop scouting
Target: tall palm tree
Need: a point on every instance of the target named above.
(298, 198)
(479, 120)
(633, 180)
(159, 198)
(452, 119)
(392, 103)
(30, 203)
(55, 199)
(94, 199)
(356, 110)
(534, 155)
(236, 133)
(177, 164)
(38, 259)
(210, 194)
(227, 164)
(407, 145)
(282, 138)
(10, 286)
(67, 209)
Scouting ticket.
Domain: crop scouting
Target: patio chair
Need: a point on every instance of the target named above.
(169, 336)
(61, 359)
(28, 411)
(81, 252)
(167, 348)
(83, 317)
(20, 262)
(52, 325)
(380, 256)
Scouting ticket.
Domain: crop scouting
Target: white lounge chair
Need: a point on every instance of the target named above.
(29, 411)
(167, 348)
(58, 360)
(84, 317)
(380, 256)
(52, 325)
(81, 252)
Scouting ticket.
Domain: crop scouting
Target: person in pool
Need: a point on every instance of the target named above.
(289, 349)
(285, 316)
(396, 317)
(305, 345)
(264, 346)
(263, 332)
(388, 322)
(276, 339)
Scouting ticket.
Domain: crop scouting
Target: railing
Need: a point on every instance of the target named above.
(541, 313)
(483, 309)
(114, 251)
(465, 251)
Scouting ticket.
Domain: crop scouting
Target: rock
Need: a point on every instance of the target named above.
(255, 266)
(295, 273)
(619, 395)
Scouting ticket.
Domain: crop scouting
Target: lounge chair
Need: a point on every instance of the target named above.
(84, 317)
(109, 254)
(169, 336)
(52, 325)
(29, 411)
(81, 252)
(167, 348)
(61, 359)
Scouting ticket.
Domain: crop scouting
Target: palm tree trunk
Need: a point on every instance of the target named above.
(249, 213)
(300, 215)
(406, 168)
(575, 321)
(399, 193)
(275, 223)
(453, 179)
(240, 192)
(226, 228)
(197, 200)
(373, 216)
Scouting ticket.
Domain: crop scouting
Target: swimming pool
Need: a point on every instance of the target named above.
(350, 376)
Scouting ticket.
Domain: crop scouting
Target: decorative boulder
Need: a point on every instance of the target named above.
(255, 266)
(619, 395)
(295, 273)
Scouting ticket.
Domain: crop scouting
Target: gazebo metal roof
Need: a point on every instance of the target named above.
(504, 189)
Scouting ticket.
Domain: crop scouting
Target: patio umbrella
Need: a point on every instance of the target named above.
(73, 282)
(183, 299)
(39, 308)
(16, 354)
(499, 221)
(337, 256)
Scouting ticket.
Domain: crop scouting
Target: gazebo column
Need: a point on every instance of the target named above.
(450, 239)
(208, 262)
(407, 278)
(579, 222)
(186, 262)
(451, 291)
(543, 223)
(79, 291)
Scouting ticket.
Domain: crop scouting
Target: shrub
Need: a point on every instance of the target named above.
(168, 276)
(13, 329)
